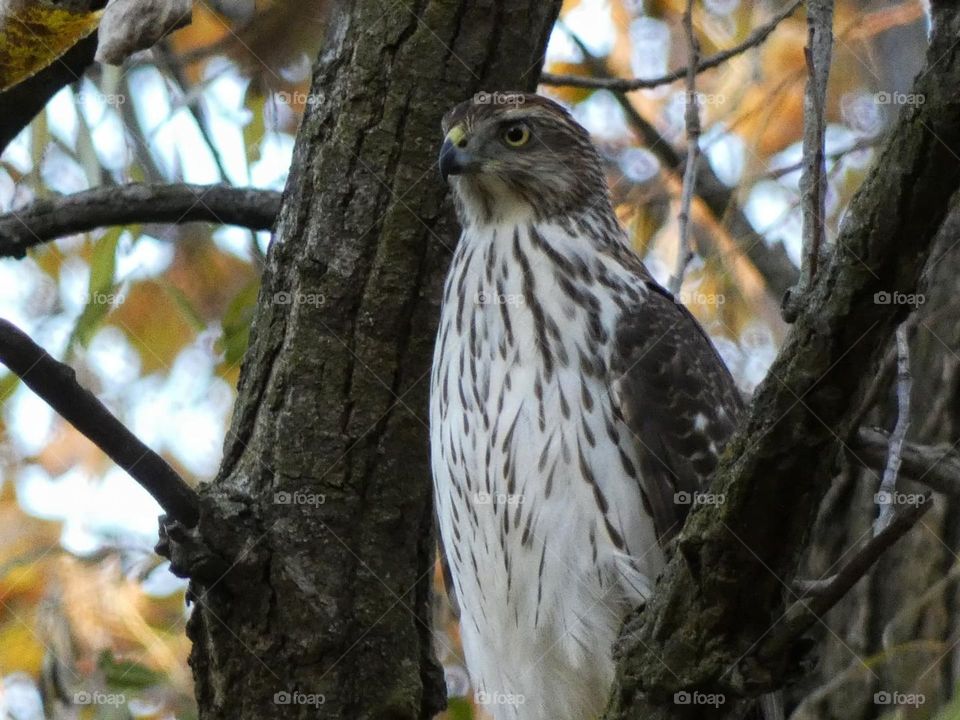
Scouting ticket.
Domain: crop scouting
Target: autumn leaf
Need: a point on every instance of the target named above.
(34, 34)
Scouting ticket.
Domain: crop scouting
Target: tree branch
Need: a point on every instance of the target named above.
(806, 611)
(722, 591)
(813, 182)
(48, 219)
(937, 467)
(23, 101)
(891, 470)
(691, 118)
(57, 385)
(624, 85)
(771, 262)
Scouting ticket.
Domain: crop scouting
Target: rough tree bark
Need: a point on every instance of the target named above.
(896, 631)
(713, 625)
(323, 505)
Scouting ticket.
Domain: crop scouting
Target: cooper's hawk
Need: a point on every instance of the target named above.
(576, 408)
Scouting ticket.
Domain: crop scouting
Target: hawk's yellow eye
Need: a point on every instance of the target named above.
(516, 135)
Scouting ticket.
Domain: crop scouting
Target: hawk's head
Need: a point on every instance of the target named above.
(516, 154)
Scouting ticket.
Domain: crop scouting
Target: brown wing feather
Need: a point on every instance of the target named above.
(678, 399)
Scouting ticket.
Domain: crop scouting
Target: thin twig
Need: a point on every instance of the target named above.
(770, 260)
(816, 202)
(48, 219)
(881, 379)
(57, 385)
(812, 178)
(821, 596)
(691, 119)
(193, 104)
(627, 85)
(863, 144)
(936, 466)
(888, 485)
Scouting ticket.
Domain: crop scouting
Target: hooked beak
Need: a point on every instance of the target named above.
(454, 158)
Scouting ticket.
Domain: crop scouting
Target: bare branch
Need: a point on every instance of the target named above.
(771, 261)
(863, 144)
(48, 219)
(881, 379)
(891, 471)
(824, 595)
(23, 101)
(813, 185)
(937, 467)
(628, 85)
(691, 119)
(57, 385)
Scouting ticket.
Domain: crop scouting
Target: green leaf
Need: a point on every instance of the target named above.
(459, 709)
(187, 310)
(254, 130)
(39, 138)
(127, 674)
(86, 152)
(236, 323)
(8, 384)
(101, 291)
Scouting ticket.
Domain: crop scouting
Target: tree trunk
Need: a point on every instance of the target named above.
(323, 505)
(717, 620)
(894, 632)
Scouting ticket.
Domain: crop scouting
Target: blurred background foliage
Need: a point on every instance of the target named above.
(155, 319)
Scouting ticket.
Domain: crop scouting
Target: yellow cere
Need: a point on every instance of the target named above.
(456, 135)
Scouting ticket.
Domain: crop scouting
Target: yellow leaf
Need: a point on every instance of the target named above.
(20, 646)
(567, 94)
(35, 34)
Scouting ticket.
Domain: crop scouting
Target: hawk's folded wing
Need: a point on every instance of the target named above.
(677, 397)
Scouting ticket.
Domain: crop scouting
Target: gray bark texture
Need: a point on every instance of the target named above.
(896, 630)
(714, 623)
(49, 218)
(323, 505)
